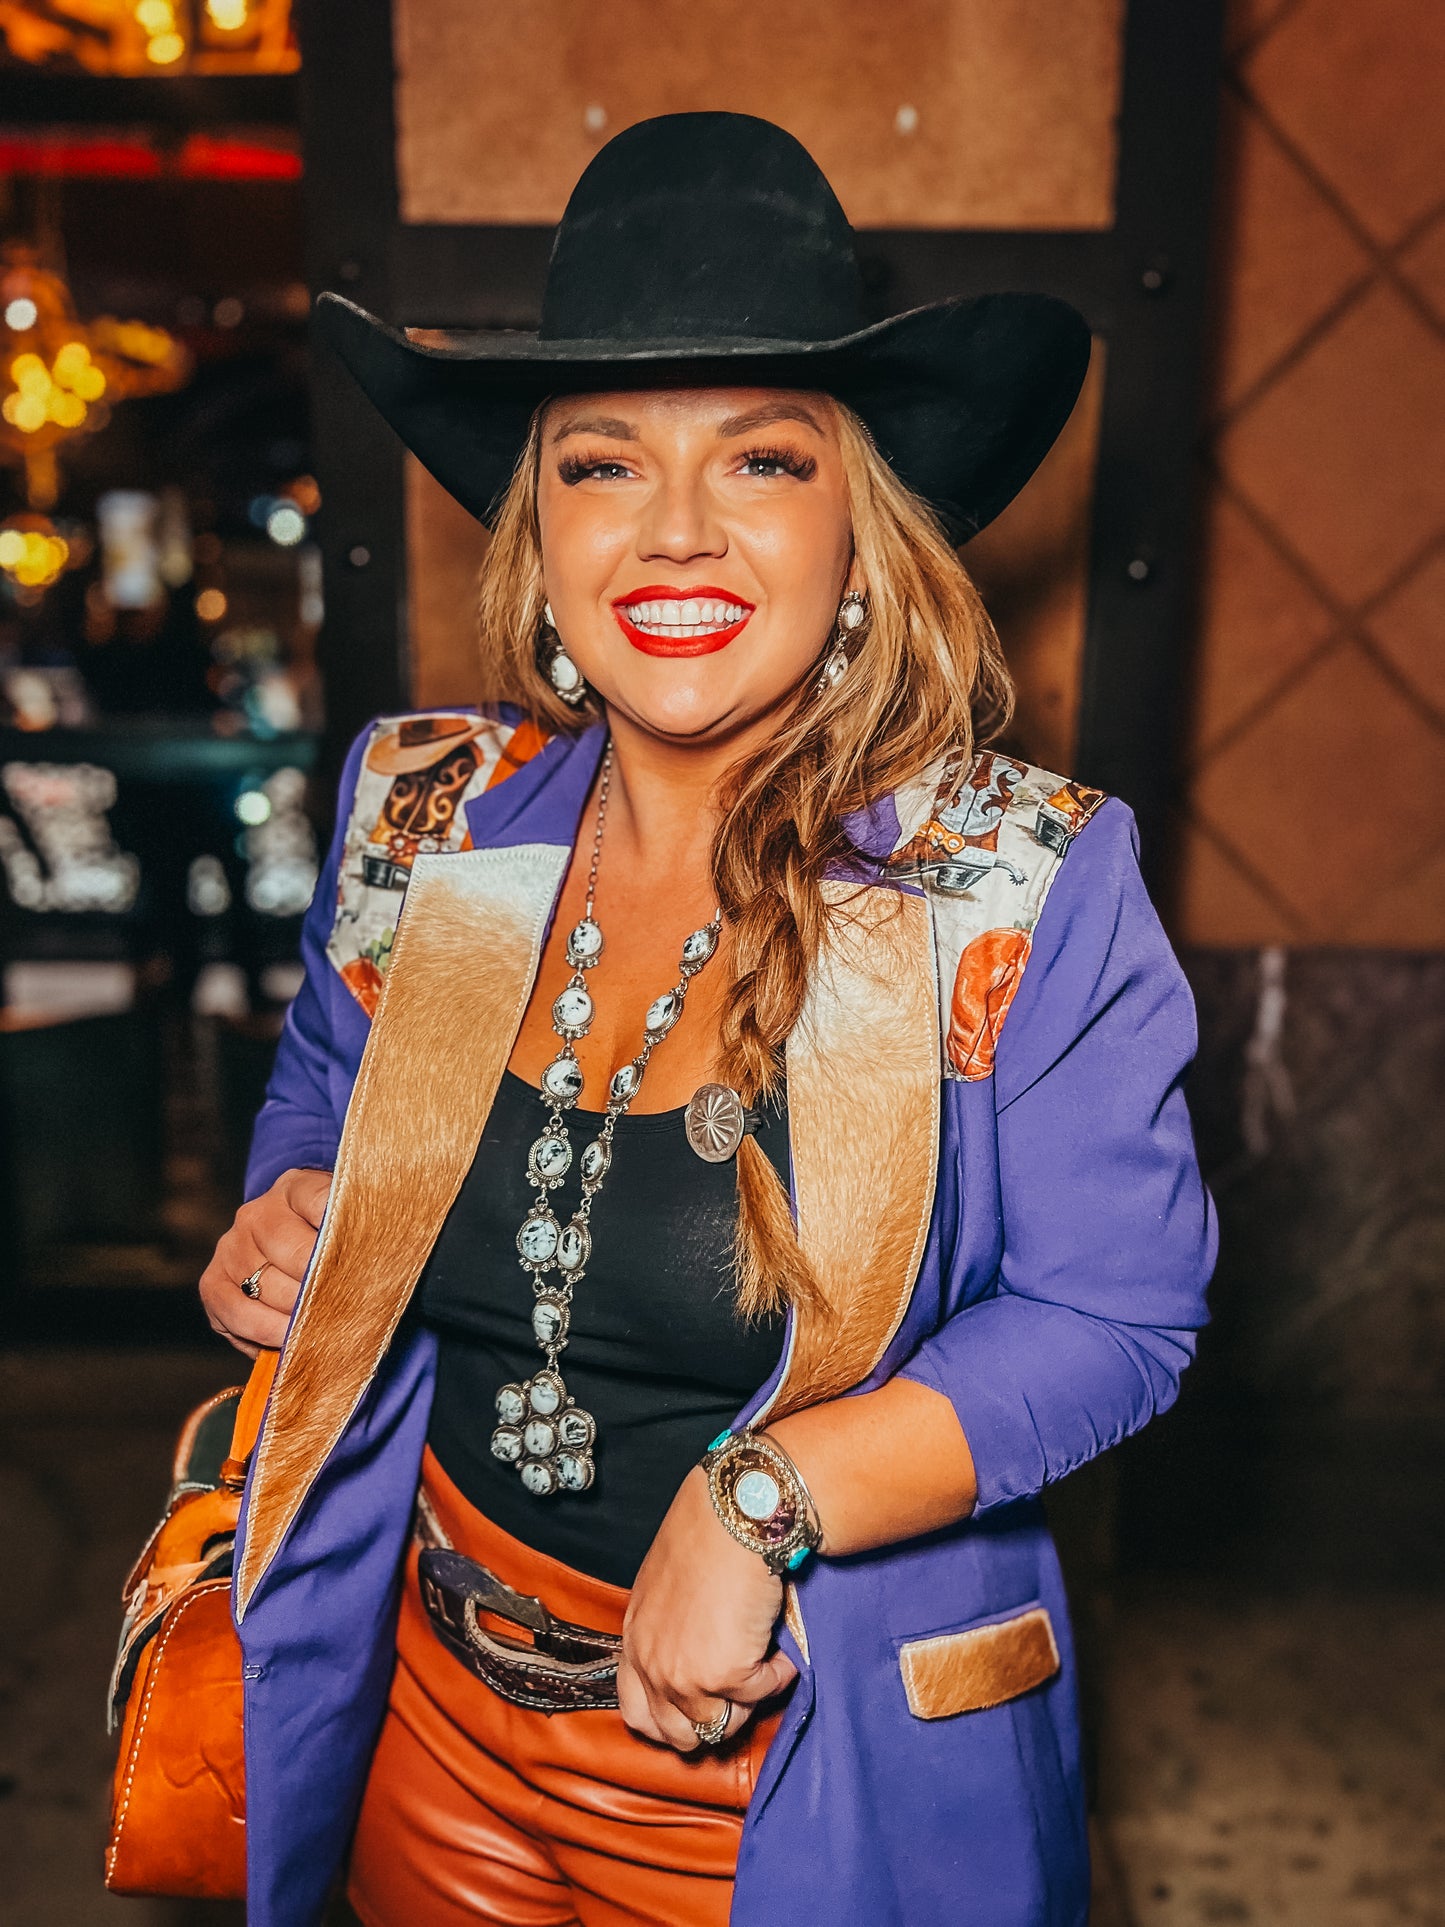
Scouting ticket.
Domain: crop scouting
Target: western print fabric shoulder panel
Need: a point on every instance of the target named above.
(417, 774)
(992, 834)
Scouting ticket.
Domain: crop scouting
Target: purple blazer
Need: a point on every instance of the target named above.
(994, 1176)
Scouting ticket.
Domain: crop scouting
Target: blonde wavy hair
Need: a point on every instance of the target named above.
(926, 675)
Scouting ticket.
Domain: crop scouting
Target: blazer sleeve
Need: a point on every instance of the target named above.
(1108, 1232)
(299, 1125)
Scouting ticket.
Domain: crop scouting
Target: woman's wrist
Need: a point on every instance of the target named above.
(883, 1466)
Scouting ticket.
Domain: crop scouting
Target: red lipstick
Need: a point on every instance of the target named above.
(706, 645)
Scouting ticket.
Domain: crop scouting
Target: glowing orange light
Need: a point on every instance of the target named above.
(59, 381)
(33, 556)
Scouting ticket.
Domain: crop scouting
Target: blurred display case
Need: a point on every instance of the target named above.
(152, 883)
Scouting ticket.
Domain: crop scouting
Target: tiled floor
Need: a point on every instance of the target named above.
(1264, 1761)
(1277, 1760)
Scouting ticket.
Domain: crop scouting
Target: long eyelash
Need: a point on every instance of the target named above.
(573, 468)
(788, 459)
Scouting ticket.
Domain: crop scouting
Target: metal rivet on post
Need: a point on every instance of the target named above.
(1156, 275)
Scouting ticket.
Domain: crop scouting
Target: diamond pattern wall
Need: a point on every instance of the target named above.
(1315, 750)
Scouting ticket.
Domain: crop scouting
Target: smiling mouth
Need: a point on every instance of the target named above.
(667, 624)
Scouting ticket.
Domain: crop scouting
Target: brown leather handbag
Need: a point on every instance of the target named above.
(178, 1800)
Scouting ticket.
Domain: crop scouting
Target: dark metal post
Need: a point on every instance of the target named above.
(349, 141)
(1141, 588)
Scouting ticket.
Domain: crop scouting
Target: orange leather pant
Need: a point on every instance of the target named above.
(478, 1810)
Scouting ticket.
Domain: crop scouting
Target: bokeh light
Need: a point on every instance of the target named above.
(253, 807)
(32, 557)
(286, 525)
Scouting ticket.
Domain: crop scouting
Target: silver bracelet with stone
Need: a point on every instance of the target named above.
(762, 1499)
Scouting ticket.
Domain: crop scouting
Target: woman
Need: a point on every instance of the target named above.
(729, 1593)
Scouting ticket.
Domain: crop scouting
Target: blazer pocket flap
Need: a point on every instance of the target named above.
(981, 1666)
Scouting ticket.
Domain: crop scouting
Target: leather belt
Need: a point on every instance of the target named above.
(560, 1668)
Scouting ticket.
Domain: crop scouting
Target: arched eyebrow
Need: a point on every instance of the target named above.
(619, 430)
(764, 417)
(610, 425)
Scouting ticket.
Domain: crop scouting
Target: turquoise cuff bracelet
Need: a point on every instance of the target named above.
(761, 1498)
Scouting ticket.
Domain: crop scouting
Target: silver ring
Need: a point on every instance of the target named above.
(251, 1287)
(710, 1732)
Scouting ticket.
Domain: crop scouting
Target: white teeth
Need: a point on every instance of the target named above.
(678, 618)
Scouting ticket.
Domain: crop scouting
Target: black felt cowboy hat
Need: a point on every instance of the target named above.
(708, 250)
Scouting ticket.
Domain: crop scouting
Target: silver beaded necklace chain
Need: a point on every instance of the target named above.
(541, 1429)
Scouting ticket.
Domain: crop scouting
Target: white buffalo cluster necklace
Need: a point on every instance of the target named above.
(541, 1428)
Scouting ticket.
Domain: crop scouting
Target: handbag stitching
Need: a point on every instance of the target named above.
(207, 1586)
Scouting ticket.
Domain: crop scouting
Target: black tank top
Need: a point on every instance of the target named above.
(656, 1351)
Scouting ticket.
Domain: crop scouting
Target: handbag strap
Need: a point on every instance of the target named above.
(250, 1409)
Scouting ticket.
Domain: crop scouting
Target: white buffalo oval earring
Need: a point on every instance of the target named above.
(563, 674)
(852, 614)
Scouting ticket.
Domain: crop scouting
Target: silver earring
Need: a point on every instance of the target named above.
(852, 614)
(563, 674)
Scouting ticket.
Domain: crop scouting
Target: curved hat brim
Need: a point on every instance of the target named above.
(964, 398)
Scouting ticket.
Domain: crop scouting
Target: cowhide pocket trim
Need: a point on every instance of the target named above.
(981, 1666)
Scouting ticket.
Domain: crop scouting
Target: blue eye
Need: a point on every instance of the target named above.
(766, 464)
(574, 469)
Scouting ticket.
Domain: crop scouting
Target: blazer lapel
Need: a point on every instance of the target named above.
(462, 969)
(863, 1116)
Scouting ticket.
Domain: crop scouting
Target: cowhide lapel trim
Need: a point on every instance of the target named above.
(461, 972)
(863, 1116)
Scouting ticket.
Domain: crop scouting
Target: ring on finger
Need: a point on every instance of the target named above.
(710, 1732)
(251, 1287)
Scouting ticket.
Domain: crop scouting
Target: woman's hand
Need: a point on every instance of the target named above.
(274, 1234)
(699, 1627)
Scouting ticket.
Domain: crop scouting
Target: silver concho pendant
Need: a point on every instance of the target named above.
(546, 1436)
(716, 1123)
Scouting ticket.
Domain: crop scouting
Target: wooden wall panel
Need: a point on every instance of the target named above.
(444, 550)
(923, 113)
(1032, 567)
(1322, 633)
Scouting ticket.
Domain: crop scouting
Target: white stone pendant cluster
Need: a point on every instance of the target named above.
(541, 1430)
(546, 1436)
